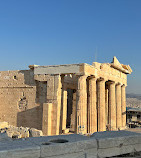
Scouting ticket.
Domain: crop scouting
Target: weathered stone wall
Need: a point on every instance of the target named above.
(18, 99)
(22, 96)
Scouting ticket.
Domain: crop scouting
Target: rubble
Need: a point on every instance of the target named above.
(35, 133)
(18, 132)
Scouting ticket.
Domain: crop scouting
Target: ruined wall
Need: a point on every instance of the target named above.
(22, 96)
(53, 96)
(18, 99)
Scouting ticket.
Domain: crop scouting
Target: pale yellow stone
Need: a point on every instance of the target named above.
(37, 98)
(123, 106)
(3, 125)
(65, 131)
(101, 105)
(92, 109)
(118, 105)
(112, 106)
(82, 105)
(46, 122)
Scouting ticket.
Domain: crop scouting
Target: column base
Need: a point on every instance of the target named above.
(65, 131)
(123, 128)
(114, 129)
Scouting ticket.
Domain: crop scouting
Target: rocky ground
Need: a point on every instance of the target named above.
(19, 132)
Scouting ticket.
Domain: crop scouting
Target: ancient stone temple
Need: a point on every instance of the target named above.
(75, 98)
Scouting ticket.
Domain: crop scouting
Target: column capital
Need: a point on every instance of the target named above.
(80, 75)
(110, 82)
(92, 77)
(118, 84)
(62, 75)
(100, 79)
(123, 85)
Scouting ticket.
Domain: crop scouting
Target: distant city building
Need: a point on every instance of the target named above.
(133, 117)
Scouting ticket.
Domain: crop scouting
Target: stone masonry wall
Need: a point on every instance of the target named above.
(20, 105)
(23, 95)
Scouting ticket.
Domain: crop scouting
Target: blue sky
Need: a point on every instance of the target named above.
(48, 32)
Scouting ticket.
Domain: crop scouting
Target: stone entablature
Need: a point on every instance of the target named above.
(79, 98)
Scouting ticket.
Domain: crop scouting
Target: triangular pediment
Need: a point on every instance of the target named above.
(124, 68)
(116, 62)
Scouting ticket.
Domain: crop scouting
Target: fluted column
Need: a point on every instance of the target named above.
(46, 120)
(123, 105)
(92, 111)
(101, 105)
(64, 108)
(106, 105)
(82, 105)
(112, 105)
(118, 105)
(73, 116)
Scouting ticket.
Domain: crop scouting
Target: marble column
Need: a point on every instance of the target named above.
(118, 105)
(92, 117)
(57, 105)
(73, 115)
(106, 105)
(82, 105)
(123, 105)
(46, 120)
(101, 105)
(64, 108)
(112, 105)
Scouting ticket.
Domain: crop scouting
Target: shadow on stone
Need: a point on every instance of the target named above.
(59, 141)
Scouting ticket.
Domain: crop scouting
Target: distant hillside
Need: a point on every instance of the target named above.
(133, 100)
(132, 95)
